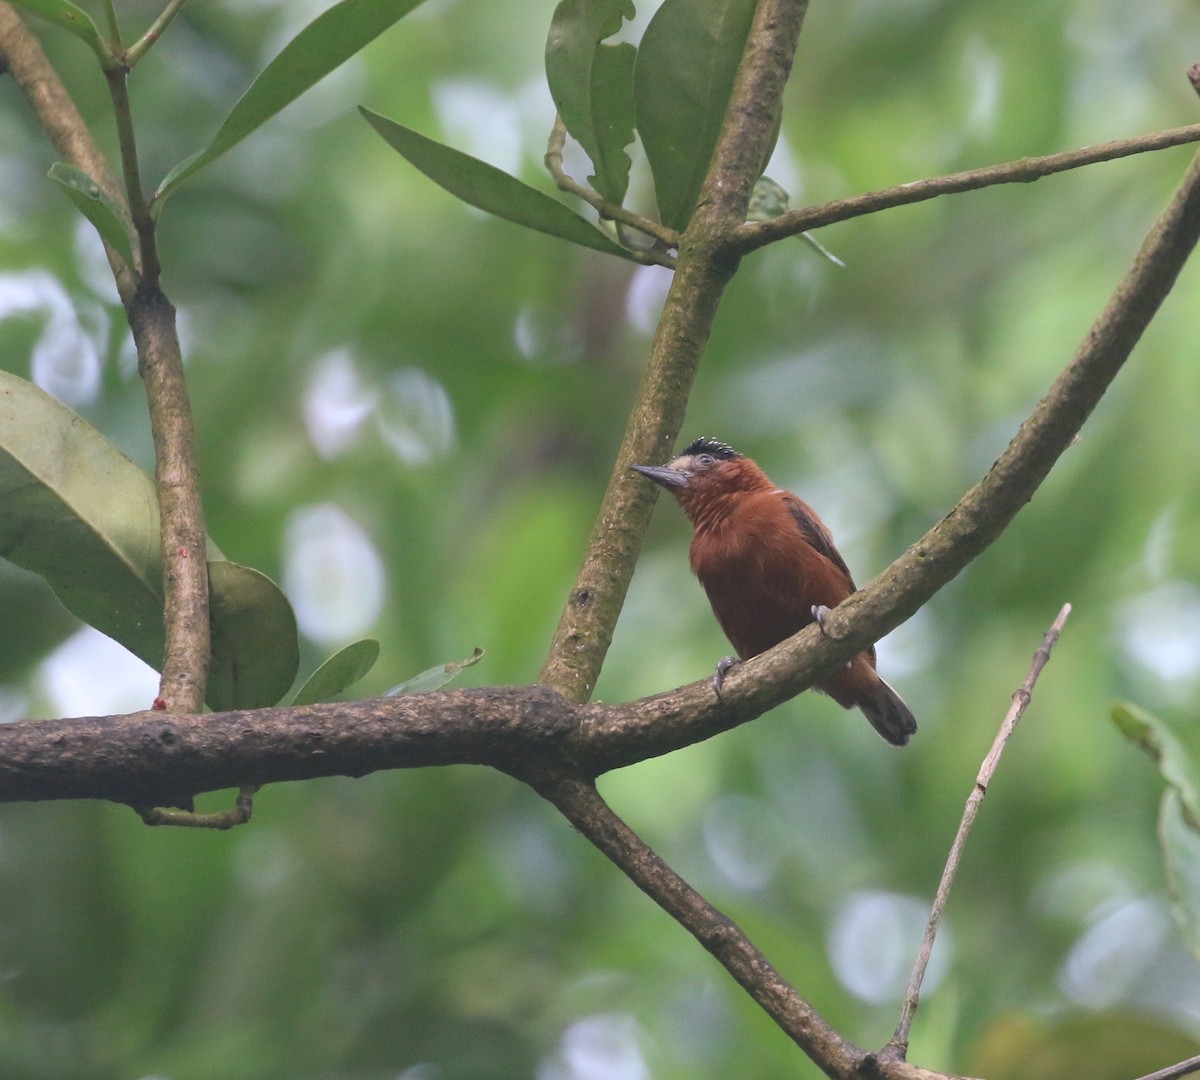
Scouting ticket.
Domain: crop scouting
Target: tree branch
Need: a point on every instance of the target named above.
(184, 538)
(898, 1045)
(704, 268)
(160, 361)
(581, 804)
(755, 235)
(21, 53)
(1173, 1072)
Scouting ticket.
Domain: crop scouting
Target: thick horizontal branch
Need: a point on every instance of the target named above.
(155, 758)
(758, 234)
(152, 758)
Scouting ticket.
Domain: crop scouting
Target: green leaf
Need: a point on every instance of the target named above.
(95, 205)
(77, 511)
(73, 19)
(255, 645)
(767, 200)
(686, 65)
(592, 86)
(344, 668)
(484, 186)
(1181, 854)
(434, 678)
(1174, 761)
(324, 44)
(1179, 814)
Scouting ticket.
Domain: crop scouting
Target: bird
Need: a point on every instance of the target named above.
(770, 568)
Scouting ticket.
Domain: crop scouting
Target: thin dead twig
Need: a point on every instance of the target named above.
(1172, 1072)
(758, 234)
(898, 1045)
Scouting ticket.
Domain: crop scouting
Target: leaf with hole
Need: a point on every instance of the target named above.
(487, 188)
(95, 205)
(686, 64)
(78, 512)
(434, 678)
(592, 86)
(344, 668)
(324, 44)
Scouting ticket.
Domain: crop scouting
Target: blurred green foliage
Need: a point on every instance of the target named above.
(442, 394)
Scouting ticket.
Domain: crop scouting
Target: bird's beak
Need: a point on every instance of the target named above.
(660, 474)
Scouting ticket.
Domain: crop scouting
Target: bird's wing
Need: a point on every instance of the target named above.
(814, 531)
(816, 534)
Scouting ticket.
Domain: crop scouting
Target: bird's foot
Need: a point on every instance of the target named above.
(723, 666)
(819, 611)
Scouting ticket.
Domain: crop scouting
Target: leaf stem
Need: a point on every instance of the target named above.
(114, 28)
(665, 236)
(143, 44)
(139, 209)
(21, 53)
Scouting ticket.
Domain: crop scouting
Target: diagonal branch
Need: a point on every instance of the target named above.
(898, 1044)
(581, 804)
(702, 272)
(755, 235)
(21, 53)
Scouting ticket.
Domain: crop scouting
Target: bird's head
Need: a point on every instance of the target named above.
(706, 473)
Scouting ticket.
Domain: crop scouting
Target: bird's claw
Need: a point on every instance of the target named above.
(819, 611)
(723, 666)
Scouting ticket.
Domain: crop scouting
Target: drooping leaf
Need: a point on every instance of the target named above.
(1181, 851)
(255, 647)
(487, 188)
(682, 82)
(77, 511)
(769, 200)
(1179, 814)
(344, 668)
(95, 205)
(434, 678)
(1175, 762)
(74, 20)
(324, 44)
(592, 86)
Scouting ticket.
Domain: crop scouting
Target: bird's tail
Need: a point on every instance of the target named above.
(888, 714)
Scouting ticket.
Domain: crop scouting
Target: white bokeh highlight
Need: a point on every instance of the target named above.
(66, 360)
(89, 674)
(599, 1047)
(874, 939)
(333, 574)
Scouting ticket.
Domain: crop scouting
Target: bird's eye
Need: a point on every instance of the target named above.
(705, 460)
